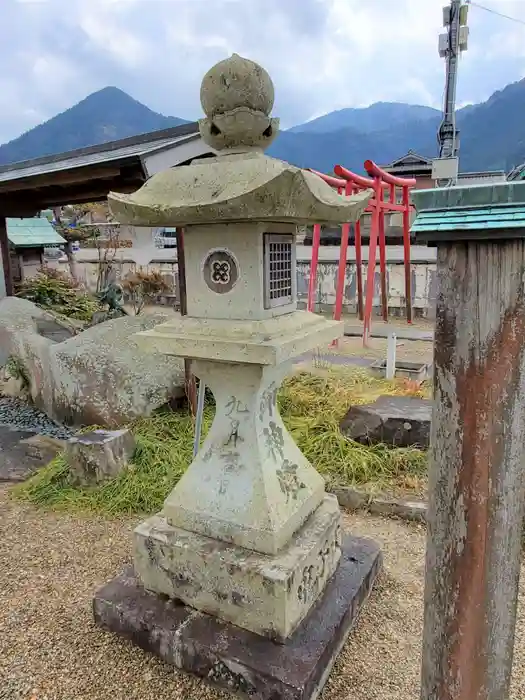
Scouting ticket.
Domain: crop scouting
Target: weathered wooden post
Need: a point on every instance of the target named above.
(6, 259)
(477, 463)
(190, 384)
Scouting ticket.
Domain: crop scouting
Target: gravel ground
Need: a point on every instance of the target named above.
(51, 565)
(23, 416)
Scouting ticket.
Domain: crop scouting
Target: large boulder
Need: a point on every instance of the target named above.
(99, 376)
(397, 421)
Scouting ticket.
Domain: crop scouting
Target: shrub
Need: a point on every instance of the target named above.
(52, 290)
(16, 369)
(142, 286)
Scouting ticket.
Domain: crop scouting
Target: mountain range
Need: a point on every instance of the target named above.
(492, 134)
(106, 115)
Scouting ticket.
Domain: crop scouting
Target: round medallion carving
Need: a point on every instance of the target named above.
(220, 271)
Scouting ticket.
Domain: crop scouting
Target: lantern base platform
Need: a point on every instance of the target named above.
(271, 341)
(267, 594)
(232, 658)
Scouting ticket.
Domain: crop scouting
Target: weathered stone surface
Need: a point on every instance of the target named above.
(242, 184)
(354, 499)
(18, 460)
(237, 96)
(235, 659)
(55, 331)
(268, 595)
(98, 377)
(399, 421)
(408, 510)
(43, 447)
(414, 371)
(99, 455)
(247, 186)
(249, 484)
(271, 341)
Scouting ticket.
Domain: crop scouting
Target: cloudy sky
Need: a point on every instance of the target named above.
(322, 54)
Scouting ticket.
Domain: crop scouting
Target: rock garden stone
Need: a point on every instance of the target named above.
(397, 421)
(98, 377)
(99, 455)
(22, 453)
(43, 447)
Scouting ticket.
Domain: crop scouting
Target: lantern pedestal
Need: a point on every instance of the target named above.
(268, 595)
(235, 659)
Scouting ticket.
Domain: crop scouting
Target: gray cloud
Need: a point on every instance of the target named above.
(322, 54)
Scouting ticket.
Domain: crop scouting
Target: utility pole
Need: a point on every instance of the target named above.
(451, 44)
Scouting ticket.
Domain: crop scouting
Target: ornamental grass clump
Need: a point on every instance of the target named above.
(312, 406)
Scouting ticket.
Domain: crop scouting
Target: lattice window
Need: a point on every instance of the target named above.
(279, 270)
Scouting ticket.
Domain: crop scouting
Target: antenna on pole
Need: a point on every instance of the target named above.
(451, 44)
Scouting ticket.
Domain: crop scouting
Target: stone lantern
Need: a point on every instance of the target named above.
(248, 537)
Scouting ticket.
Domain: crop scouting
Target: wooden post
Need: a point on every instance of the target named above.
(382, 255)
(6, 257)
(191, 388)
(406, 253)
(359, 267)
(476, 481)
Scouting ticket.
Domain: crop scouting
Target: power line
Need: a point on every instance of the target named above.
(495, 12)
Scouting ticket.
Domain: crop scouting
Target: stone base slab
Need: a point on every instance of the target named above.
(266, 594)
(398, 421)
(236, 659)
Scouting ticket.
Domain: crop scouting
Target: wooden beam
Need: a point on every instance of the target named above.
(19, 208)
(477, 477)
(67, 177)
(26, 197)
(190, 384)
(58, 199)
(6, 257)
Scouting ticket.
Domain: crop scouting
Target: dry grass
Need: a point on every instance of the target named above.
(312, 406)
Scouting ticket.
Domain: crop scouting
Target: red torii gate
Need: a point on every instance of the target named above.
(350, 183)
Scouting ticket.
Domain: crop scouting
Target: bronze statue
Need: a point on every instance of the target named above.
(113, 297)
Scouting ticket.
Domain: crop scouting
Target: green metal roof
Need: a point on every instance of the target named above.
(470, 219)
(469, 196)
(36, 232)
(495, 211)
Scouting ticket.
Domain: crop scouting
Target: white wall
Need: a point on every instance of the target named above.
(423, 270)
